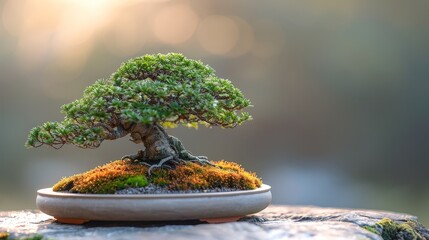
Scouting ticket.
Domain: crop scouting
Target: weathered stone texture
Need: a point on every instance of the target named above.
(276, 222)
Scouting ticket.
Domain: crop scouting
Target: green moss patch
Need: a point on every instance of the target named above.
(6, 236)
(122, 174)
(391, 230)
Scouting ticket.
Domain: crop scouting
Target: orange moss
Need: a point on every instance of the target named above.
(99, 179)
(4, 235)
(190, 176)
(194, 176)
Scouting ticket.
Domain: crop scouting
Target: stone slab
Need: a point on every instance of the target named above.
(275, 222)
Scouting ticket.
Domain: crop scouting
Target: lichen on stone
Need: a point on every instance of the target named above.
(391, 230)
(121, 174)
(6, 236)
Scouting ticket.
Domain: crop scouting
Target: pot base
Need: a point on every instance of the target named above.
(72, 208)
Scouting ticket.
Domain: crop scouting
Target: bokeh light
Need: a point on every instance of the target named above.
(175, 24)
(218, 34)
(246, 38)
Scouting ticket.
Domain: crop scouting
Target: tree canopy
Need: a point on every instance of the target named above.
(167, 89)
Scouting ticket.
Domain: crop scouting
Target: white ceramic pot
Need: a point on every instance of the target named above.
(211, 207)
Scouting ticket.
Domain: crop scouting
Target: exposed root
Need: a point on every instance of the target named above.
(187, 156)
(161, 164)
(171, 161)
(202, 161)
(145, 163)
(179, 155)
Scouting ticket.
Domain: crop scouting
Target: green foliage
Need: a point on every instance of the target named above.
(56, 134)
(163, 88)
(173, 89)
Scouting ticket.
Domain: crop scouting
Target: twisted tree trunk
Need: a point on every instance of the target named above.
(155, 140)
(161, 149)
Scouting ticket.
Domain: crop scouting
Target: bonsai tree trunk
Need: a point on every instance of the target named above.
(160, 148)
(155, 140)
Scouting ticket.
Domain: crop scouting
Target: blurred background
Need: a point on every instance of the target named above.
(340, 91)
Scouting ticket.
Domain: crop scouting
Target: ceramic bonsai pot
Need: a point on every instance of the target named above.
(211, 207)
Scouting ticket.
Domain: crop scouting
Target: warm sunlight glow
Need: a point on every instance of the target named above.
(125, 36)
(175, 24)
(62, 28)
(218, 34)
(93, 5)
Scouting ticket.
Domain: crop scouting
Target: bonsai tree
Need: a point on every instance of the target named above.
(143, 97)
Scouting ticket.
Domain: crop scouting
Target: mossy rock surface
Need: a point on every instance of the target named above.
(121, 174)
(391, 230)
